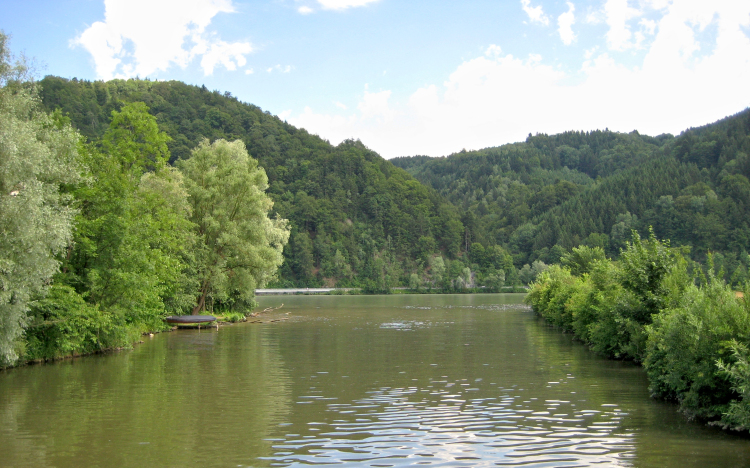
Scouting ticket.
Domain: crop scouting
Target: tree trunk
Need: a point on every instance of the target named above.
(201, 300)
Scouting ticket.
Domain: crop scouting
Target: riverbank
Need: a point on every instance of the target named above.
(398, 290)
(691, 334)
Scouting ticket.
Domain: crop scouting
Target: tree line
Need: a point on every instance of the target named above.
(356, 220)
(542, 197)
(101, 239)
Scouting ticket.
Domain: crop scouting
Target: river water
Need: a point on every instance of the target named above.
(365, 381)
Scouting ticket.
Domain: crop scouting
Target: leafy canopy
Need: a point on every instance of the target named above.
(239, 247)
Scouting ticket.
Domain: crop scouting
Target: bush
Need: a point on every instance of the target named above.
(686, 343)
(616, 334)
(598, 292)
(582, 259)
(549, 294)
(63, 324)
(737, 416)
(644, 265)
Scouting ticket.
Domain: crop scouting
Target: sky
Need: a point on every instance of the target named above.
(416, 77)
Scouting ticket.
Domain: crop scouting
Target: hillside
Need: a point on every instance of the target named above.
(359, 220)
(550, 193)
(356, 219)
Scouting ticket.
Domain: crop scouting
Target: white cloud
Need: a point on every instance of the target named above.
(536, 14)
(648, 26)
(249, 71)
(223, 53)
(305, 10)
(279, 68)
(497, 98)
(618, 13)
(565, 25)
(340, 105)
(375, 106)
(343, 4)
(493, 51)
(140, 37)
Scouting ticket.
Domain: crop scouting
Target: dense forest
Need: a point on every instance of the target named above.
(356, 219)
(504, 213)
(540, 198)
(100, 240)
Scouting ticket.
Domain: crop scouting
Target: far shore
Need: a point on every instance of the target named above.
(402, 290)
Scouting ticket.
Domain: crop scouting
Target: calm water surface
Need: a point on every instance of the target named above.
(366, 381)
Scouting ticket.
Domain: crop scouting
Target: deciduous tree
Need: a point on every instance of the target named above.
(240, 246)
(37, 155)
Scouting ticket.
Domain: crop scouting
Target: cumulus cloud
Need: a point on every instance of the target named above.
(305, 10)
(565, 25)
(140, 37)
(375, 106)
(343, 4)
(684, 79)
(618, 14)
(536, 14)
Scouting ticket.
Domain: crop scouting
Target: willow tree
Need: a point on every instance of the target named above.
(38, 154)
(240, 246)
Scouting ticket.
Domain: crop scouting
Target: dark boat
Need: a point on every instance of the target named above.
(190, 319)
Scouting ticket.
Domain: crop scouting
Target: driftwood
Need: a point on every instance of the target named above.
(267, 309)
(271, 309)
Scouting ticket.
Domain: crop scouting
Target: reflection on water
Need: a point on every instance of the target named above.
(442, 424)
(373, 381)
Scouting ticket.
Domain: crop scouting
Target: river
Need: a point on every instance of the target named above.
(361, 381)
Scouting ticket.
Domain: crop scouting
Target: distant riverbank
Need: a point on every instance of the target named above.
(336, 291)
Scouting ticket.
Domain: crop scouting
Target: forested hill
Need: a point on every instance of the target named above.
(356, 219)
(550, 193)
(359, 220)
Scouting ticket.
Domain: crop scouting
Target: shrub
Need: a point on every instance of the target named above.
(737, 416)
(549, 294)
(598, 291)
(63, 324)
(582, 259)
(685, 343)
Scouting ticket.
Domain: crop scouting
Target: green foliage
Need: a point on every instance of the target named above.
(644, 266)
(133, 240)
(530, 272)
(737, 371)
(549, 294)
(414, 282)
(38, 160)
(233, 317)
(531, 197)
(686, 342)
(239, 247)
(64, 324)
(582, 259)
(135, 138)
(345, 198)
(437, 271)
(692, 339)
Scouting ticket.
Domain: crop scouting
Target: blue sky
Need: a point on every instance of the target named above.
(416, 77)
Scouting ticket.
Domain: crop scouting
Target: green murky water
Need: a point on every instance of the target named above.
(368, 381)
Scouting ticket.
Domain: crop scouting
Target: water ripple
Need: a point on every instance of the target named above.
(395, 427)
